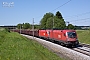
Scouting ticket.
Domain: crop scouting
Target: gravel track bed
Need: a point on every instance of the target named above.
(73, 55)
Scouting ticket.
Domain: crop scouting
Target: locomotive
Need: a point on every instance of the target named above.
(63, 37)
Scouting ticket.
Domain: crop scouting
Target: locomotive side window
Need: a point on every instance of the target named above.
(71, 34)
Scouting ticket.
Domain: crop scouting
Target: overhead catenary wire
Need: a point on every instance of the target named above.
(61, 5)
(58, 7)
(83, 13)
(80, 19)
(78, 15)
(74, 15)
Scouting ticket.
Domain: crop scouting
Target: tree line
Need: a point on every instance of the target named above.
(27, 26)
(49, 21)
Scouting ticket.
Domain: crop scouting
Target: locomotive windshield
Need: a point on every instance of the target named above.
(71, 34)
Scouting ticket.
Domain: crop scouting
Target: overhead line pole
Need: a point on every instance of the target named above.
(53, 26)
(53, 22)
(33, 28)
(20, 29)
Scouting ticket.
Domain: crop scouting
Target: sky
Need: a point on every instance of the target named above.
(13, 12)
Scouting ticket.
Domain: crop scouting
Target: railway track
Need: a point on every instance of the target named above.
(83, 50)
(79, 53)
(85, 45)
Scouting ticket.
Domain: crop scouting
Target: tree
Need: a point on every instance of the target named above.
(19, 26)
(59, 15)
(70, 26)
(36, 26)
(49, 21)
(26, 26)
(59, 23)
(44, 20)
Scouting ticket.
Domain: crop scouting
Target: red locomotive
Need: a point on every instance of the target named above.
(64, 37)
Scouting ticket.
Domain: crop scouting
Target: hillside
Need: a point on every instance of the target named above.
(16, 47)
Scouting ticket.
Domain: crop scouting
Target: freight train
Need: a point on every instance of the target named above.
(63, 37)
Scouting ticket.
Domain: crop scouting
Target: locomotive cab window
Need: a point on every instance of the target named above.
(71, 34)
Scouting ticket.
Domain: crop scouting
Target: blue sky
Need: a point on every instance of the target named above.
(77, 12)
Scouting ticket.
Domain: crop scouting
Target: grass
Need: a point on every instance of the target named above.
(16, 47)
(84, 36)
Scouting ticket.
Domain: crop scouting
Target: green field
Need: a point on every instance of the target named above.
(84, 36)
(16, 47)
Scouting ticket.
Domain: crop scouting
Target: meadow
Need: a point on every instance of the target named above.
(13, 46)
(84, 36)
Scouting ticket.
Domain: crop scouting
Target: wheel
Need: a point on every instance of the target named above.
(62, 44)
